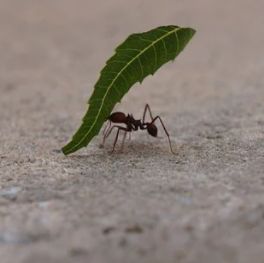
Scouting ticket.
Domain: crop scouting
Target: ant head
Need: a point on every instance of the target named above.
(152, 129)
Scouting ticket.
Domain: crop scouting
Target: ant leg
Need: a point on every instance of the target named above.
(106, 129)
(110, 130)
(147, 107)
(107, 126)
(117, 134)
(158, 117)
(124, 138)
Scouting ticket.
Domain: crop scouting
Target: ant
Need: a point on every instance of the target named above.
(133, 125)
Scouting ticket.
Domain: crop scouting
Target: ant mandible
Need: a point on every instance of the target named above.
(133, 125)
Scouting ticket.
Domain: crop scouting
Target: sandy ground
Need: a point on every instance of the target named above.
(206, 204)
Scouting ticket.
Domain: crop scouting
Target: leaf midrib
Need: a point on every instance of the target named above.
(111, 84)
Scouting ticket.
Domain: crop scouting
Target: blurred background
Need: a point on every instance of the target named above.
(56, 48)
(211, 99)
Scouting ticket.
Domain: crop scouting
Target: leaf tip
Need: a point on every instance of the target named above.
(191, 32)
(64, 150)
(69, 148)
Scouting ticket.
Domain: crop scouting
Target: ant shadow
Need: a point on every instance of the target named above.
(131, 150)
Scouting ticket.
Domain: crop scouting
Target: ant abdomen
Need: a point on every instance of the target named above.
(152, 129)
(118, 117)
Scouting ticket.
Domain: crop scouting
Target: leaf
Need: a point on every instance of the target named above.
(137, 57)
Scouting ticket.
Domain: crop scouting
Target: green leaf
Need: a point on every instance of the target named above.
(137, 57)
